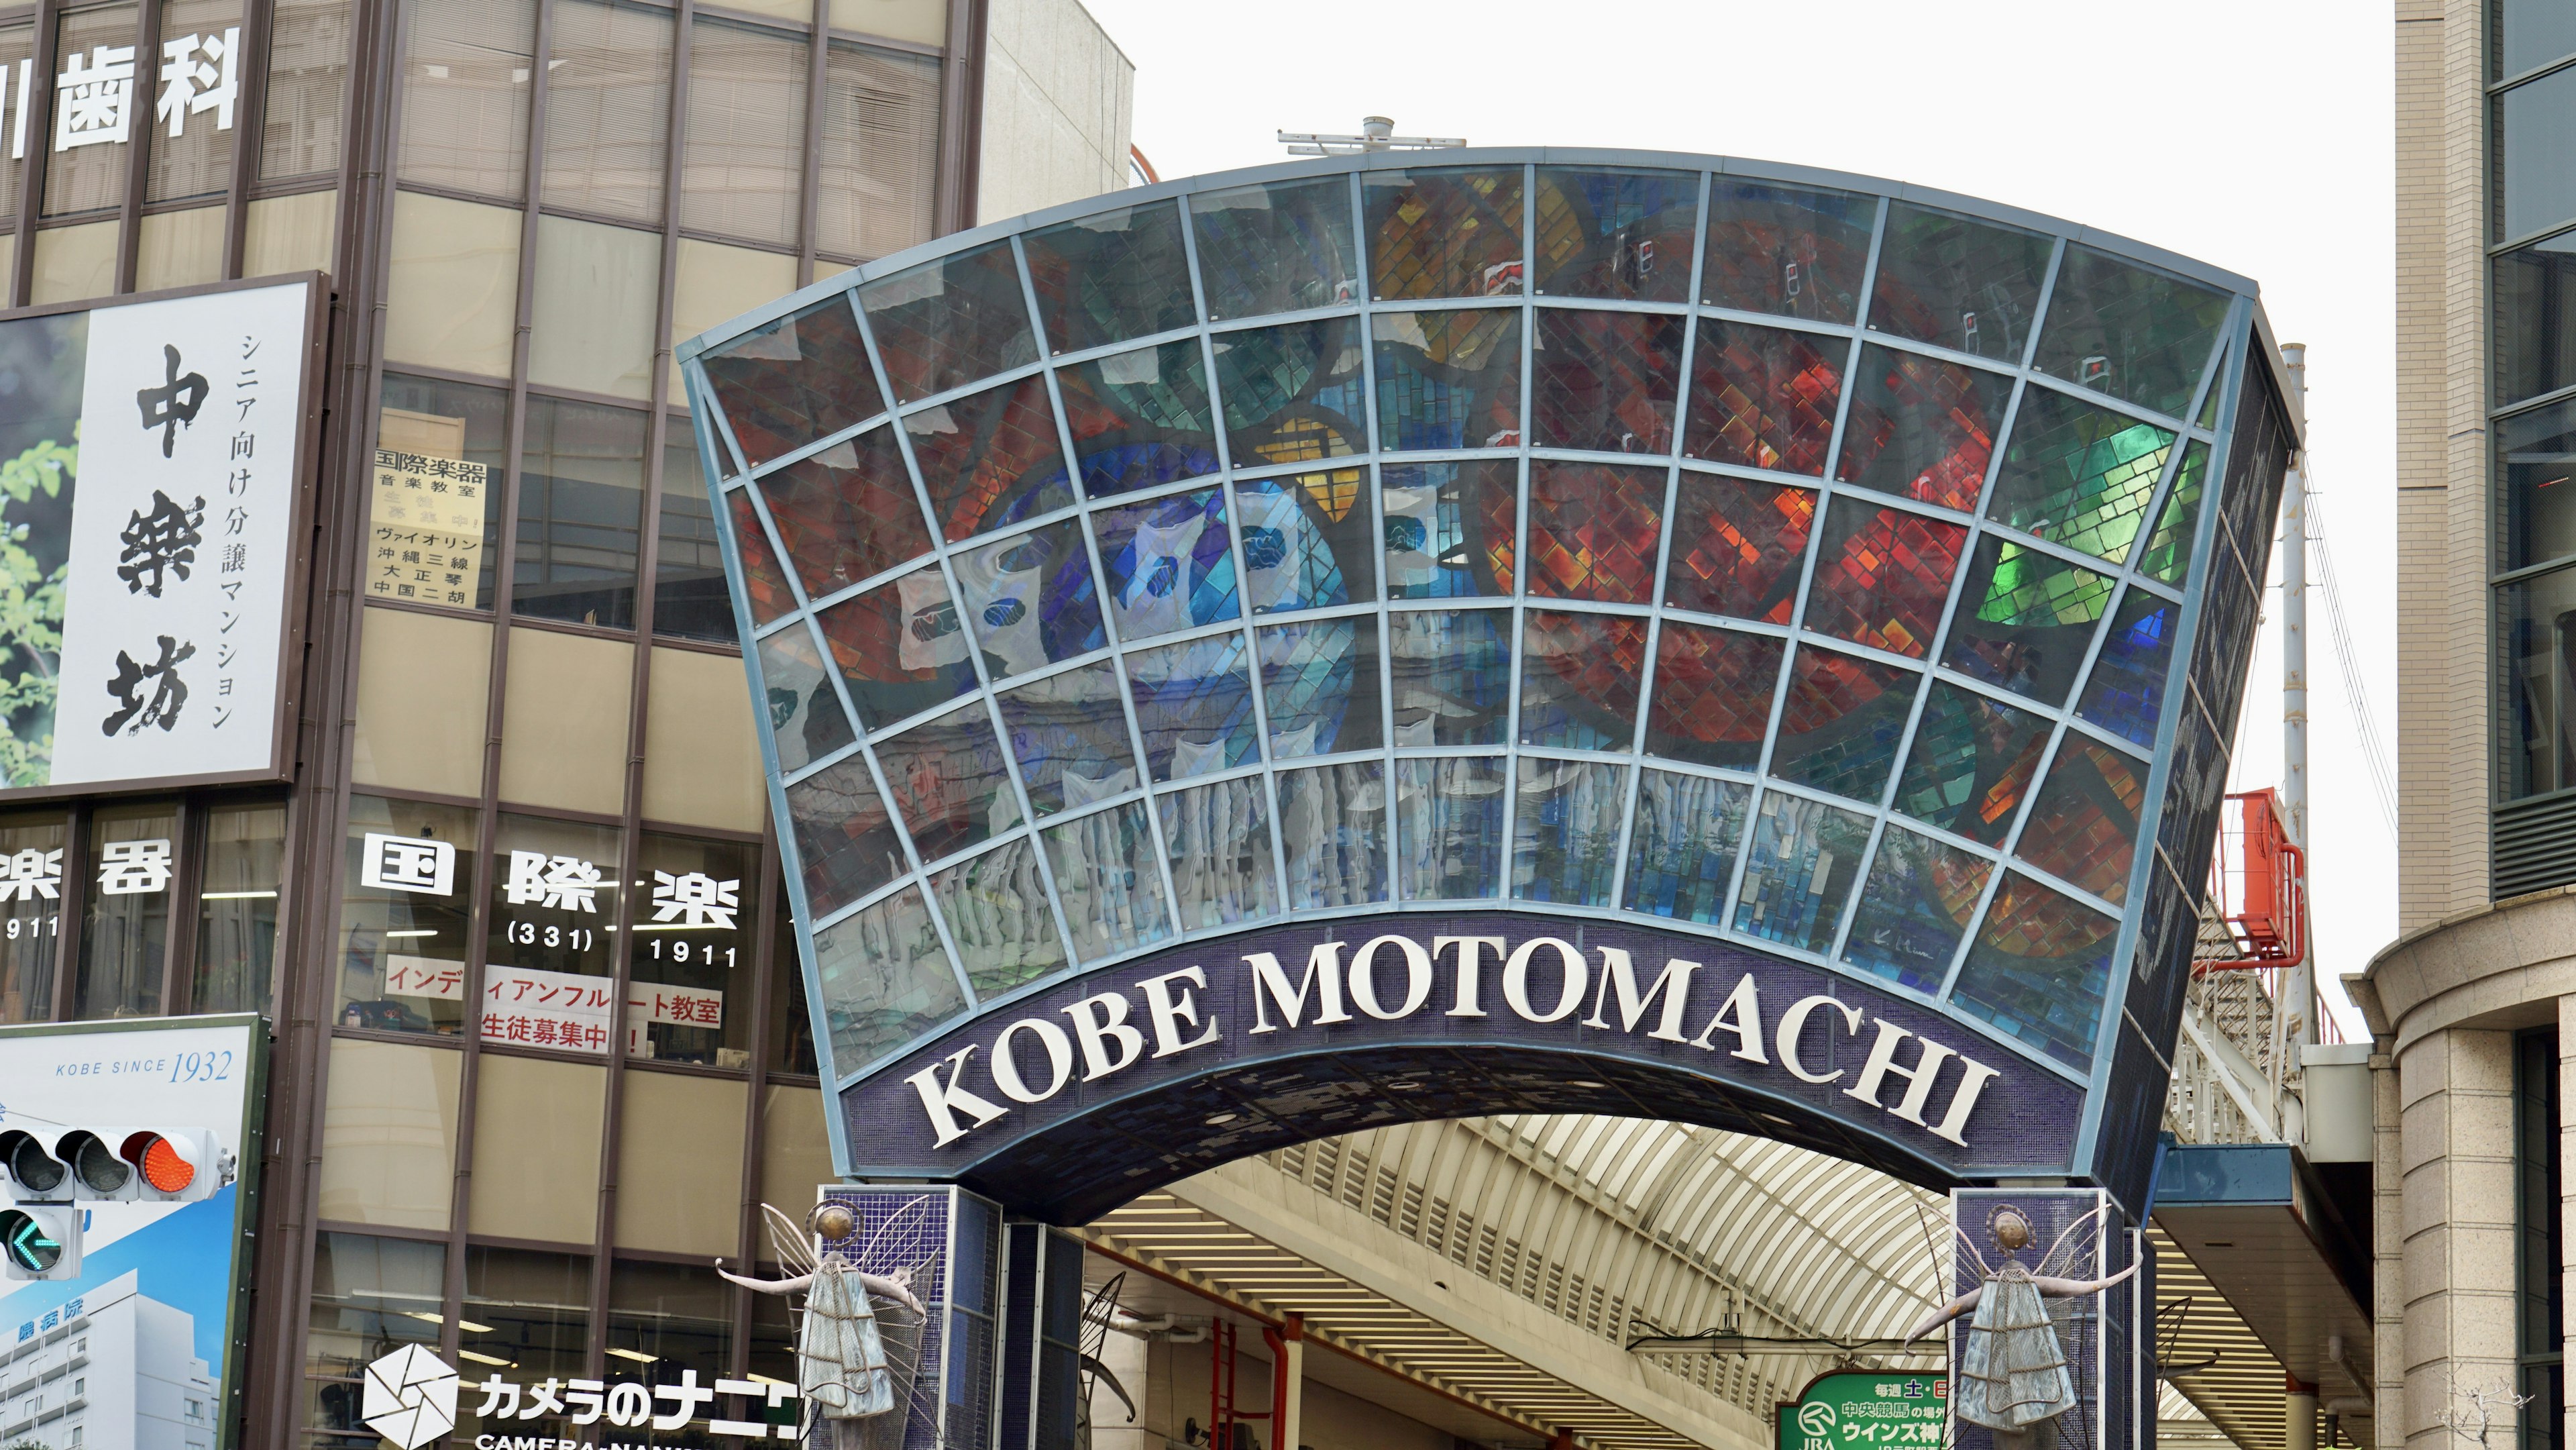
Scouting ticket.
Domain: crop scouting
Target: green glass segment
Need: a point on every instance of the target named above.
(2209, 406)
(2168, 553)
(1972, 762)
(2133, 333)
(2025, 620)
(2078, 475)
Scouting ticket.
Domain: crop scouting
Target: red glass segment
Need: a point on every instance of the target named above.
(1763, 397)
(1593, 529)
(1736, 545)
(846, 513)
(1882, 576)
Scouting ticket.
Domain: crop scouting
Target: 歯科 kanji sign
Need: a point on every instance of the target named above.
(155, 452)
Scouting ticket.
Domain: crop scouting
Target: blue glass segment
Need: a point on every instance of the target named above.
(1030, 601)
(1580, 674)
(2039, 969)
(1217, 837)
(1681, 853)
(1106, 877)
(2127, 692)
(1918, 903)
(1451, 835)
(1139, 418)
(1170, 565)
(1452, 676)
(1332, 824)
(1616, 234)
(1319, 681)
(1448, 379)
(950, 782)
(2025, 620)
(1565, 833)
(1449, 527)
(1293, 394)
(885, 979)
(998, 914)
(1798, 870)
(1069, 732)
(1194, 706)
(1281, 247)
(1306, 541)
(805, 716)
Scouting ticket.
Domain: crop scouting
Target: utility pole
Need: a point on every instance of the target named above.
(2298, 992)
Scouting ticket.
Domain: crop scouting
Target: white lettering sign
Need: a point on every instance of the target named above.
(407, 863)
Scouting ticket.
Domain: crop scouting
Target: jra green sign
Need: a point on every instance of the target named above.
(1853, 1408)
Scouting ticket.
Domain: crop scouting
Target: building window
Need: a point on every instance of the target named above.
(689, 598)
(693, 951)
(465, 96)
(244, 870)
(371, 1296)
(405, 906)
(31, 931)
(2539, 1241)
(127, 875)
(550, 955)
(436, 443)
(581, 513)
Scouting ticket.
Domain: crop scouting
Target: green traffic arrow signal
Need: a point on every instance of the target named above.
(27, 1243)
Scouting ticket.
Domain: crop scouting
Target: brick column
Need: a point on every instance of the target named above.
(2456, 1093)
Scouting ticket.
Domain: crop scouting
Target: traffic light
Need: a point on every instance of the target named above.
(114, 1164)
(41, 1241)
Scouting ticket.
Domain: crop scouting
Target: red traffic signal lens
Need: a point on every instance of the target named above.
(164, 1167)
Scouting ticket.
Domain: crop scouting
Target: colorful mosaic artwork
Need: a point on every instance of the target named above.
(2039, 969)
(1919, 900)
(1958, 283)
(794, 381)
(1972, 763)
(1763, 397)
(1284, 247)
(1713, 691)
(1798, 871)
(2083, 830)
(2025, 620)
(1139, 418)
(847, 513)
(1449, 527)
(1842, 723)
(900, 647)
(1593, 531)
(1605, 382)
(1565, 837)
(1620, 235)
(1293, 394)
(2078, 475)
(2167, 556)
(1883, 576)
(2129, 331)
(1448, 380)
(1681, 860)
(1111, 276)
(1580, 674)
(1737, 546)
(990, 459)
(1921, 428)
(1791, 251)
(1443, 232)
(944, 324)
(2127, 691)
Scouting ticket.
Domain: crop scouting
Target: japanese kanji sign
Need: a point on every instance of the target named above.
(1847, 1409)
(178, 574)
(425, 529)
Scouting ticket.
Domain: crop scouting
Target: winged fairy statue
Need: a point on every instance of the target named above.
(2012, 1376)
(844, 1371)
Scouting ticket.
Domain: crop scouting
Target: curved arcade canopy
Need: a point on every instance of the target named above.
(1272, 654)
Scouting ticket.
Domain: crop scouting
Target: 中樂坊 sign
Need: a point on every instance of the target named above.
(1070, 1095)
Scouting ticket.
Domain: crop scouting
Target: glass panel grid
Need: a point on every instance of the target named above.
(1257, 647)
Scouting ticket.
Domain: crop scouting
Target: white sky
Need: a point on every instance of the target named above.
(2252, 134)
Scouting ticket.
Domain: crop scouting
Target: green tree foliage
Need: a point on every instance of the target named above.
(31, 617)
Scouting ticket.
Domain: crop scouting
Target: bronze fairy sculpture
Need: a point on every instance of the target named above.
(843, 1370)
(2012, 1375)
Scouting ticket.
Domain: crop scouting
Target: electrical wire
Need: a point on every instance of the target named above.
(2374, 750)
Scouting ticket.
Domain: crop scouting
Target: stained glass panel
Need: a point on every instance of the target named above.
(1681, 854)
(1616, 234)
(2025, 620)
(2133, 333)
(885, 979)
(803, 377)
(1713, 691)
(1883, 576)
(1445, 232)
(1736, 546)
(1593, 530)
(1972, 762)
(1450, 527)
(846, 845)
(762, 579)
(1921, 428)
(1565, 836)
(1293, 394)
(1217, 837)
(1333, 823)
(1110, 276)
(1194, 707)
(949, 782)
(1306, 541)
(1106, 878)
(2127, 692)
(1798, 869)
(900, 647)
(1605, 381)
(1920, 896)
(944, 324)
(1170, 566)
(1967, 285)
(1763, 397)
(1786, 250)
(1319, 681)
(2039, 969)
(1452, 676)
(990, 458)
(1580, 675)
(2078, 475)
(1276, 248)
(997, 910)
(1447, 379)
(1030, 600)
(805, 717)
(847, 513)
(1842, 723)
(2168, 553)
(1069, 732)
(2083, 830)
(1139, 418)
(1451, 832)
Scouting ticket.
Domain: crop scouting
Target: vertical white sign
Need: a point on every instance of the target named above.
(182, 540)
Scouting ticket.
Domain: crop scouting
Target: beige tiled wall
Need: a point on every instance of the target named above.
(2456, 1104)
(2442, 654)
(1058, 97)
